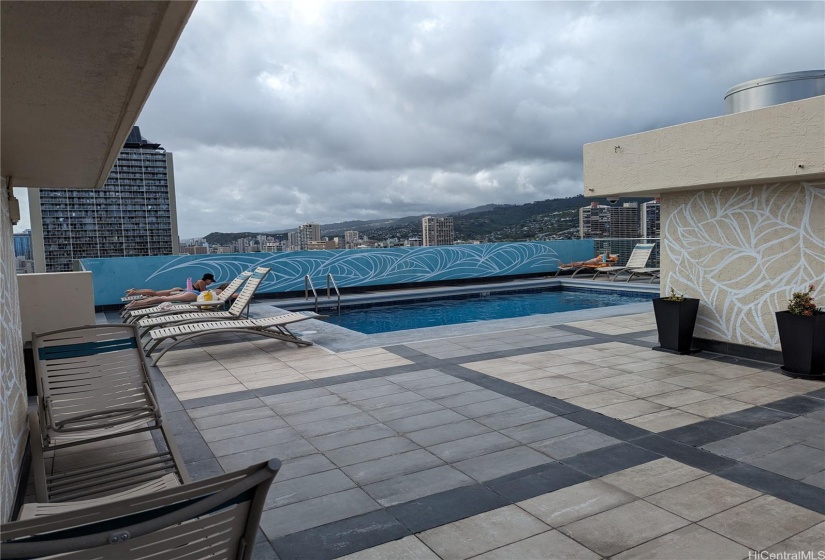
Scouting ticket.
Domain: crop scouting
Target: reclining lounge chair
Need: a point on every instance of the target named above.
(637, 261)
(93, 385)
(215, 517)
(235, 312)
(591, 265)
(272, 327)
(132, 315)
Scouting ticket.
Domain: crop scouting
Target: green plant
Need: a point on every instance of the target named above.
(802, 303)
(674, 296)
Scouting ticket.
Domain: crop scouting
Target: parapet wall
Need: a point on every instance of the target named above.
(349, 267)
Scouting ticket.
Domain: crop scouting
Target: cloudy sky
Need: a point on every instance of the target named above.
(319, 111)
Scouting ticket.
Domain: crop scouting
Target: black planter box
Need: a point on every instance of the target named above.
(675, 321)
(803, 344)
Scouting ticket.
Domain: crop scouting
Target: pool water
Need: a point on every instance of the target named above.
(477, 307)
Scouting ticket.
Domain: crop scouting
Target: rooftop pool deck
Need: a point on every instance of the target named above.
(553, 436)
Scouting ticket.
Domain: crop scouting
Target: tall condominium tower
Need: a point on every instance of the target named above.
(437, 231)
(650, 219)
(308, 233)
(132, 215)
(597, 221)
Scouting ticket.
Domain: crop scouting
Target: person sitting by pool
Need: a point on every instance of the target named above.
(198, 286)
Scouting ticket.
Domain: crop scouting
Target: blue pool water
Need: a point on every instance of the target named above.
(477, 307)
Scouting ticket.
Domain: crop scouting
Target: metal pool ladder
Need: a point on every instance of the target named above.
(308, 286)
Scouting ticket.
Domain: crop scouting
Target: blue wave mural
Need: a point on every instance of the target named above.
(350, 268)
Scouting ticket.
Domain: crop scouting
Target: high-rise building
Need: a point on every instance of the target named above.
(308, 233)
(132, 215)
(598, 221)
(23, 245)
(437, 231)
(594, 221)
(650, 219)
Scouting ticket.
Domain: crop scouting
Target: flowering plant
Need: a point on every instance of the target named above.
(802, 303)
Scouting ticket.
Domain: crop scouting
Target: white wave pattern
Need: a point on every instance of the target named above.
(743, 251)
(376, 266)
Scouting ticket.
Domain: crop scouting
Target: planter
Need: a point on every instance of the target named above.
(675, 321)
(803, 344)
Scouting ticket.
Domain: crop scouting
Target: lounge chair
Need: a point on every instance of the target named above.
(235, 312)
(272, 327)
(93, 385)
(216, 517)
(592, 264)
(133, 315)
(637, 260)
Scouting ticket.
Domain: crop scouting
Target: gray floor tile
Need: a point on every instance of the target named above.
(469, 397)
(652, 477)
(485, 408)
(242, 443)
(408, 548)
(370, 450)
(294, 396)
(424, 421)
(472, 446)
(318, 415)
(816, 479)
(425, 381)
(228, 418)
(806, 542)
(218, 409)
(360, 385)
(550, 544)
(243, 428)
(542, 430)
(384, 401)
(576, 502)
(703, 497)
(748, 444)
(447, 389)
(515, 417)
(797, 461)
(416, 485)
(294, 490)
(371, 392)
(794, 430)
(316, 512)
(481, 533)
(500, 463)
(762, 522)
(391, 467)
(282, 451)
(303, 466)
(352, 437)
(624, 527)
(688, 542)
(405, 410)
(315, 403)
(574, 443)
(324, 427)
(450, 432)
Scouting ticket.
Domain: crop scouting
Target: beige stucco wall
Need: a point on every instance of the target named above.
(13, 402)
(743, 251)
(775, 144)
(55, 300)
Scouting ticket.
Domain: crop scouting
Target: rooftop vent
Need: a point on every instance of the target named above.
(773, 90)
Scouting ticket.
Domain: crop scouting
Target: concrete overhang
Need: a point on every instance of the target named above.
(775, 144)
(75, 75)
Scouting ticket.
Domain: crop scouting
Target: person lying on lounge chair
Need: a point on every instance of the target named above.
(198, 286)
(176, 296)
(595, 262)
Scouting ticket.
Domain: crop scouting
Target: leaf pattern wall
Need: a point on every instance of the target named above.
(743, 251)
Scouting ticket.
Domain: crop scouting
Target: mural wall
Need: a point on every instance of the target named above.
(743, 251)
(13, 429)
(350, 268)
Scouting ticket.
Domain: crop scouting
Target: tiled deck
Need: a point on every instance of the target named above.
(565, 441)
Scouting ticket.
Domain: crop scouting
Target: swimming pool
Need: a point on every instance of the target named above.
(483, 306)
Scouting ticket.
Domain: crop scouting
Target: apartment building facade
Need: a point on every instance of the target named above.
(437, 231)
(132, 215)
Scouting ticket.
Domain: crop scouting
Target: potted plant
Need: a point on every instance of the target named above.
(675, 319)
(802, 336)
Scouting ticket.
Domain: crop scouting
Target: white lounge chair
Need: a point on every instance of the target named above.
(235, 312)
(133, 315)
(272, 327)
(638, 260)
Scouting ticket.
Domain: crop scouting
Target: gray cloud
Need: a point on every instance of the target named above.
(356, 110)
